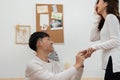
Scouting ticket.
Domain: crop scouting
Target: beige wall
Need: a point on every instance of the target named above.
(23, 79)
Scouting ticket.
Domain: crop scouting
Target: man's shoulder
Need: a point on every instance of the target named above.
(34, 62)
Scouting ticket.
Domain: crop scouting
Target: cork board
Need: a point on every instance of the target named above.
(49, 18)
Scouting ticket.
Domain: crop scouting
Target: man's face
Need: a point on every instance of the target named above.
(47, 44)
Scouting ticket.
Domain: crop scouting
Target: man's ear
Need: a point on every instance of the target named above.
(39, 43)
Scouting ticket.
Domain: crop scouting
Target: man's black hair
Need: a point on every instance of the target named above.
(34, 38)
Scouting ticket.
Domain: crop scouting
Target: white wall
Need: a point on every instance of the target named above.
(78, 20)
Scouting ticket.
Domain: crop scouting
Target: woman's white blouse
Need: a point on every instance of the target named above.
(40, 70)
(110, 40)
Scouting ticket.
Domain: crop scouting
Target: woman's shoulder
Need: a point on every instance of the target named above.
(111, 16)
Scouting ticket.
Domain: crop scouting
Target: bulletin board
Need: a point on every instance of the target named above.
(49, 18)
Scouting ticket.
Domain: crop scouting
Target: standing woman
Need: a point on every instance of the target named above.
(107, 30)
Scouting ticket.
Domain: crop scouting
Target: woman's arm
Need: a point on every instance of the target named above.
(113, 27)
(95, 33)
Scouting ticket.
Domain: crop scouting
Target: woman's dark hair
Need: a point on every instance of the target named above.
(112, 8)
(34, 38)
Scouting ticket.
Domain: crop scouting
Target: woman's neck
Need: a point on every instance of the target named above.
(104, 14)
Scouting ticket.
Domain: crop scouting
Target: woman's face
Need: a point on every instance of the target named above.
(101, 6)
